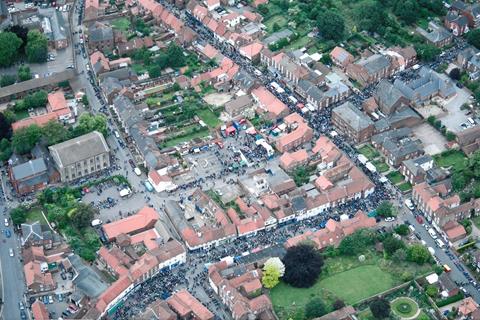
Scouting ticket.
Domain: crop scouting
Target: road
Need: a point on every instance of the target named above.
(441, 254)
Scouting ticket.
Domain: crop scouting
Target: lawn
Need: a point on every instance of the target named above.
(35, 214)
(380, 165)
(122, 24)
(404, 307)
(395, 176)
(203, 132)
(22, 114)
(209, 118)
(139, 69)
(404, 187)
(369, 152)
(451, 158)
(279, 19)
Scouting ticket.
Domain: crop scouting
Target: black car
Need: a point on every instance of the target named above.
(23, 315)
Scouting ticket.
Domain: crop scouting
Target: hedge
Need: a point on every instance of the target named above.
(447, 301)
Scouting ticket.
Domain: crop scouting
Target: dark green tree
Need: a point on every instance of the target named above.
(5, 127)
(380, 308)
(7, 80)
(88, 123)
(391, 244)
(54, 132)
(369, 15)
(331, 25)
(24, 139)
(24, 73)
(418, 253)
(82, 215)
(473, 37)
(9, 48)
(37, 47)
(19, 215)
(427, 52)
(5, 150)
(408, 11)
(303, 264)
(314, 308)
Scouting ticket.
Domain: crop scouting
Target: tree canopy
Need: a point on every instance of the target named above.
(314, 308)
(357, 242)
(380, 308)
(24, 139)
(37, 47)
(82, 215)
(5, 127)
(473, 37)
(24, 73)
(386, 209)
(392, 244)
(19, 215)
(7, 80)
(271, 276)
(9, 48)
(88, 123)
(418, 253)
(54, 132)
(369, 15)
(331, 25)
(303, 264)
(407, 11)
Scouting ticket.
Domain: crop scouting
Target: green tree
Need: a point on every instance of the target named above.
(24, 73)
(331, 25)
(458, 181)
(380, 308)
(303, 264)
(314, 308)
(5, 127)
(88, 123)
(19, 215)
(473, 37)
(386, 209)
(37, 47)
(326, 59)
(36, 100)
(54, 132)
(427, 52)
(271, 276)
(402, 230)
(5, 150)
(407, 11)
(7, 80)
(24, 139)
(357, 242)
(418, 253)
(369, 15)
(85, 100)
(400, 255)
(338, 304)
(154, 71)
(391, 245)
(432, 291)
(9, 48)
(176, 58)
(82, 215)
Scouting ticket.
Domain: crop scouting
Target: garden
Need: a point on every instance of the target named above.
(352, 273)
(369, 152)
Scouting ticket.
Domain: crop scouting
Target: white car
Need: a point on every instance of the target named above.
(389, 219)
(409, 204)
(6, 222)
(10, 251)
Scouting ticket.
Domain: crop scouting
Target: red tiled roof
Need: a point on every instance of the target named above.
(187, 306)
(113, 292)
(39, 311)
(40, 121)
(142, 219)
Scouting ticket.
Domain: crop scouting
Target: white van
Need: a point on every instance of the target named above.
(96, 223)
(409, 204)
(137, 171)
(472, 122)
(432, 233)
(440, 243)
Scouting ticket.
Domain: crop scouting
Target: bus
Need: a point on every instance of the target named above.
(446, 268)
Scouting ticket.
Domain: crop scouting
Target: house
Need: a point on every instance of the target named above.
(397, 145)
(271, 105)
(469, 139)
(371, 69)
(299, 133)
(323, 96)
(81, 156)
(39, 311)
(161, 182)
(252, 51)
(435, 35)
(341, 57)
(187, 306)
(469, 60)
(143, 220)
(334, 231)
(54, 28)
(93, 9)
(39, 120)
(467, 307)
(100, 37)
(240, 107)
(470, 11)
(402, 58)
(456, 23)
(420, 169)
(58, 105)
(37, 277)
(454, 231)
(352, 123)
(291, 160)
(389, 98)
(29, 176)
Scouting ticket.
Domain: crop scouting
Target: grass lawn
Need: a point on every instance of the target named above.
(381, 165)
(209, 118)
(173, 142)
(369, 152)
(139, 68)
(365, 315)
(395, 176)
(35, 214)
(404, 307)
(19, 115)
(454, 158)
(122, 24)
(280, 20)
(406, 186)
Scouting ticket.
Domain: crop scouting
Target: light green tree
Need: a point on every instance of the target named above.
(271, 276)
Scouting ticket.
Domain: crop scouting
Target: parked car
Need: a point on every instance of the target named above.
(8, 233)
(10, 251)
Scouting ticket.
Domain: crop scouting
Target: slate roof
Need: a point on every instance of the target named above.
(375, 63)
(387, 96)
(100, 32)
(30, 168)
(354, 117)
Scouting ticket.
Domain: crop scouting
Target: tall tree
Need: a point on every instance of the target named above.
(380, 308)
(331, 25)
(385, 209)
(5, 128)
(315, 308)
(22, 33)
(408, 11)
(303, 264)
(82, 215)
(369, 15)
(54, 132)
(271, 276)
(37, 47)
(5, 150)
(24, 139)
(88, 123)
(418, 253)
(19, 215)
(10, 44)
(7, 80)
(24, 73)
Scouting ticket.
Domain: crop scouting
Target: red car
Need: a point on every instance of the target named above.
(419, 219)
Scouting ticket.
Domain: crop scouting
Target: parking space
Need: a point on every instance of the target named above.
(455, 116)
(432, 140)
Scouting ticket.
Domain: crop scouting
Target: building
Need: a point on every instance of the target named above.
(39, 311)
(187, 307)
(353, 123)
(274, 108)
(81, 156)
(240, 107)
(435, 35)
(469, 139)
(470, 11)
(143, 220)
(341, 57)
(93, 9)
(456, 23)
(418, 170)
(334, 231)
(323, 96)
(371, 69)
(54, 28)
(100, 37)
(29, 176)
(454, 231)
(57, 104)
(429, 84)
(240, 289)
(398, 145)
(389, 98)
(298, 133)
(291, 160)
(469, 60)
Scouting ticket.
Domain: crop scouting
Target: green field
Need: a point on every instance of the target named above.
(395, 176)
(35, 214)
(404, 187)
(454, 158)
(187, 137)
(280, 20)
(122, 24)
(369, 152)
(209, 118)
(380, 165)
